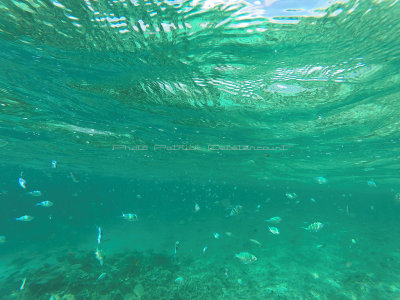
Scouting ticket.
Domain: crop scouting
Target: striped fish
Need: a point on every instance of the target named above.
(235, 211)
(314, 227)
(246, 257)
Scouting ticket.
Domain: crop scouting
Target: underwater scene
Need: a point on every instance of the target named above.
(199, 149)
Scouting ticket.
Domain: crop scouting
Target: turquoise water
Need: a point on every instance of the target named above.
(177, 128)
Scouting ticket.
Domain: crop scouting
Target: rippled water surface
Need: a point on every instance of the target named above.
(79, 77)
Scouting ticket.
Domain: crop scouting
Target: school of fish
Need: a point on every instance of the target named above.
(245, 257)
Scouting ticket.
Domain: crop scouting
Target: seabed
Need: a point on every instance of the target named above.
(284, 274)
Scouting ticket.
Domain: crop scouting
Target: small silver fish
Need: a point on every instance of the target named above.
(130, 217)
(397, 197)
(99, 256)
(74, 178)
(320, 180)
(176, 247)
(291, 195)
(235, 211)
(314, 227)
(256, 242)
(98, 235)
(273, 230)
(246, 257)
(23, 284)
(178, 280)
(35, 193)
(45, 204)
(25, 218)
(22, 183)
(102, 275)
(371, 183)
(196, 207)
(274, 220)
(54, 164)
